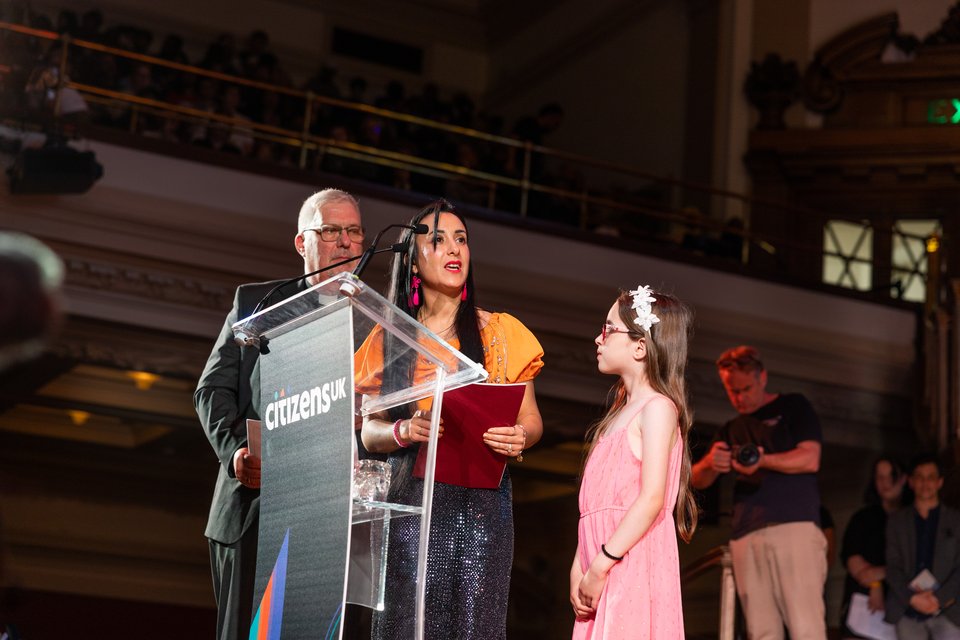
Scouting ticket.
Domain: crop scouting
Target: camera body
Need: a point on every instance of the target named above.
(746, 454)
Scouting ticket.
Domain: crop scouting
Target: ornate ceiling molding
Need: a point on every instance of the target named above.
(146, 283)
(876, 59)
(836, 62)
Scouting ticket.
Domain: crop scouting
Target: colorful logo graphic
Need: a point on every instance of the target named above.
(266, 624)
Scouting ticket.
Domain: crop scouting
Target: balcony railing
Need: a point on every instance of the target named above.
(527, 179)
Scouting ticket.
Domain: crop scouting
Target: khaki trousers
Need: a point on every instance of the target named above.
(780, 572)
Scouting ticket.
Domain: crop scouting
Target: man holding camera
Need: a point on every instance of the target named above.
(779, 552)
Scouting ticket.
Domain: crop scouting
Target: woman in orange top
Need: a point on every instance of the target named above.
(471, 530)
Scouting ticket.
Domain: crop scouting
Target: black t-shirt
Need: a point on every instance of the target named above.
(770, 497)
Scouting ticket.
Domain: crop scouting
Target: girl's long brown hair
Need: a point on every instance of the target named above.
(667, 343)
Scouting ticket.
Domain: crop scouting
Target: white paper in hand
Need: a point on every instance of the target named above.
(866, 623)
(924, 581)
(253, 437)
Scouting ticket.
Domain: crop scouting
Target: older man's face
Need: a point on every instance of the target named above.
(746, 389)
(317, 253)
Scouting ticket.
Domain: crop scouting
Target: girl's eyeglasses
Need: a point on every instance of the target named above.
(608, 328)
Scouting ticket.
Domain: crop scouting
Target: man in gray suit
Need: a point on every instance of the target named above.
(923, 560)
(329, 230)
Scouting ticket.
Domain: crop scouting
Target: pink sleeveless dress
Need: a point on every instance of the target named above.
(641, 599)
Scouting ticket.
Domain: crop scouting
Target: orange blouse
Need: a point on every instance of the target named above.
(511, 354)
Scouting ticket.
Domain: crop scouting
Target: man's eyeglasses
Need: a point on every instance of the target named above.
(608, 328)
(331, 232)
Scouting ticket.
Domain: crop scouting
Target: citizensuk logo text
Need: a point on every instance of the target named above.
(290, 408)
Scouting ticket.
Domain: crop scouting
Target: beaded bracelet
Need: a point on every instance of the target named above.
(603, 548)
(522, 446)
(396, 435)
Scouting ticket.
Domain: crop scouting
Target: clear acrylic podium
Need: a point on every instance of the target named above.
(319, 547)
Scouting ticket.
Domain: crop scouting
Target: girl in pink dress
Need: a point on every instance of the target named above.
(635, 494)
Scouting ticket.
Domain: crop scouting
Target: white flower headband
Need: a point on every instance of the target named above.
(643, 304)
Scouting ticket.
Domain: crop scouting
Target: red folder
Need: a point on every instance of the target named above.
(462, 457)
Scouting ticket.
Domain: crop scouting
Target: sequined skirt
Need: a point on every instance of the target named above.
(468, 568)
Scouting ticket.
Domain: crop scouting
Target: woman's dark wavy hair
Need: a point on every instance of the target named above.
(870, 494)
(400, 293)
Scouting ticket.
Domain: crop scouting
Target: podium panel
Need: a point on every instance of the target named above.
(319, 547)
(305, 500)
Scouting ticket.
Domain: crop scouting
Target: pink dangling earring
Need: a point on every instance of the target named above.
(415, 287)
(463, 294)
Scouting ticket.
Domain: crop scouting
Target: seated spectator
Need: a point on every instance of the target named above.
(923, 560)
(172, 51)
(333, 162)
(864, 541)
(221, 55)
(68, 23)
(169, 128)
(265, 151)
(140, 82)
(323, 84)
(466, 189)
(218, 139)
(371, 131)
(41, 22)
(204, 99)
(730, 244)
(695, 236)
(90, 25)
(358, 90)
(428, 104)
(393, 100)
(534, 130)
(46, 98)
(268, 109)
(141, 41)
(255, 53)
(241, 137)
(565, 208)
(182, 89)
(490, 123)
(462, 110)
(394, 97)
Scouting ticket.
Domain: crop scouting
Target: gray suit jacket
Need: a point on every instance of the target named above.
(223, 402)
(902, 562)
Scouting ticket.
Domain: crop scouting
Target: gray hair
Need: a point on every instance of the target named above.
(744, 358)
(315, 204)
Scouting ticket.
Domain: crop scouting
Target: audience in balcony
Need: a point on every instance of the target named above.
(253, 59)
(41, 96)
(240, 136)
(218, 137)
(90, 25)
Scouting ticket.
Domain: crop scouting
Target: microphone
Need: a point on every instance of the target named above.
(418, 229)
(398, 247)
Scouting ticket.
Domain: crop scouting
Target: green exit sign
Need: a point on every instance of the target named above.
(945, 111)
